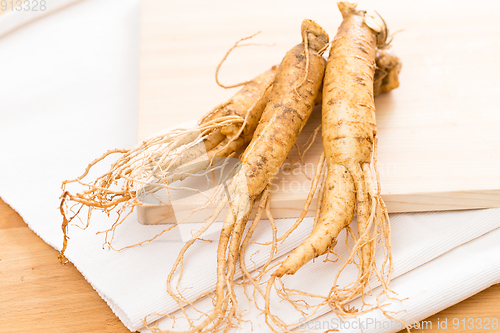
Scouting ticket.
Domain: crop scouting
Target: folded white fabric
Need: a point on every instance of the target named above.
(421, 244)
(444, 281)
(69, 87)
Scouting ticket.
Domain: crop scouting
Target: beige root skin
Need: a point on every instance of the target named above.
(337, 211)
(285, 115)
(292, 99)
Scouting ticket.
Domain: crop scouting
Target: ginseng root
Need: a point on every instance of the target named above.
(349, 139)
(291, 102)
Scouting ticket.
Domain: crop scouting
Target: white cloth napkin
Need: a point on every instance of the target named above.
(69, 92)
(446, 280)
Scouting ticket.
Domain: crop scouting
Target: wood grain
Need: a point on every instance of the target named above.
(438, 132)
(39, 294)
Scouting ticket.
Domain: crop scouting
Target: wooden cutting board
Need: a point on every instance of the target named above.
(439, 137)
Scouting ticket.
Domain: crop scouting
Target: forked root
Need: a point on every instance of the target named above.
(362, 254)
(226, 306)
(246, 274)
(343, 187)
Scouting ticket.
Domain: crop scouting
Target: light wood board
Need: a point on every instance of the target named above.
(439, 137)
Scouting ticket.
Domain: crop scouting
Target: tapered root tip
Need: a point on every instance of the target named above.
(281, 271)
(62, 259)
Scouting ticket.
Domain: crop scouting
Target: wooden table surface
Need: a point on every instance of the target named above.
(38, 293)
